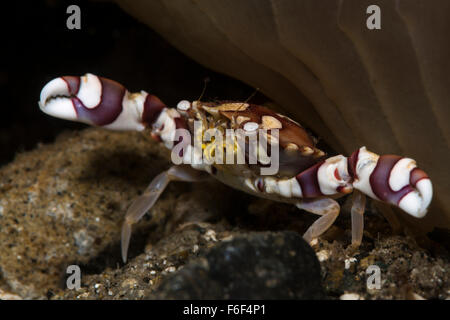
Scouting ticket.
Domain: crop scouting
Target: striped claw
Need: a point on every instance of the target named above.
(392, 179)
(99, 101)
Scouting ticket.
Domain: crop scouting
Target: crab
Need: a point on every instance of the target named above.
(305, 176)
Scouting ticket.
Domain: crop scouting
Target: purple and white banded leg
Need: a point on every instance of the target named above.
(390, 179)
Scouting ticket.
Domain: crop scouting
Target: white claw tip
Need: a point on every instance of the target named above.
(55, 100)
(416, 203)
(60, 108)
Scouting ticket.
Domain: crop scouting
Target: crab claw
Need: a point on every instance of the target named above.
(392, 179)
(99, 101)
(55, 100)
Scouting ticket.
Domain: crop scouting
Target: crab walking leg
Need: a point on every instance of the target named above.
(146, 201)
(357, 211)
(327, 208)
(140, 206)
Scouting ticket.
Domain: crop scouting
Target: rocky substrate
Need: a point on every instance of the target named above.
(63, 204)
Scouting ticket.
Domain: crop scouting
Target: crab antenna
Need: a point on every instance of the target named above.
(205, 83)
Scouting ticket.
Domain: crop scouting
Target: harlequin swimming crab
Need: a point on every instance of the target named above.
(306, 177)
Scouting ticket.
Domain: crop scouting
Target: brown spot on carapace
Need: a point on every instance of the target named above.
(292, 139)
(290, 131)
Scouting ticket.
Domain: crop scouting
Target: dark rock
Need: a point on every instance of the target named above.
(255, 266)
